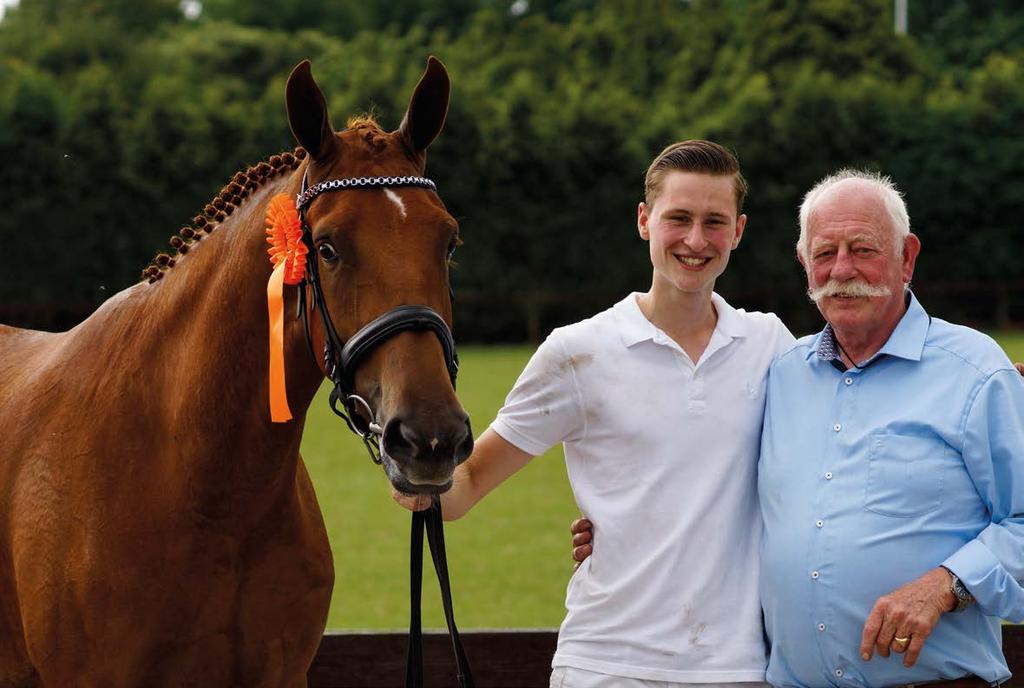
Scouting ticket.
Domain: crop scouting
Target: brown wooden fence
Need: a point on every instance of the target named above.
(500, 659)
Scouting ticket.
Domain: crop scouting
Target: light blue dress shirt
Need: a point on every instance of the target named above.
(871, 477)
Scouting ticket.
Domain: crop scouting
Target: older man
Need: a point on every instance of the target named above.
(891, 477)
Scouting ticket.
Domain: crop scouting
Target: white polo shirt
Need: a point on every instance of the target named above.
(662, 457)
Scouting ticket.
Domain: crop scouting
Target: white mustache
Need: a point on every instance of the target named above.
(853, 288)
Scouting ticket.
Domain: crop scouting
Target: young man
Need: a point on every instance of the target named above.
(659, 403)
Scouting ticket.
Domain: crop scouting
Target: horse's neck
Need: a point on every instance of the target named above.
(201, 342)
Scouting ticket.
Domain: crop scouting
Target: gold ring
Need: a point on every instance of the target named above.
(901, 641)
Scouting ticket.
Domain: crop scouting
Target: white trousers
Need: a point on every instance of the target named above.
(571, 677)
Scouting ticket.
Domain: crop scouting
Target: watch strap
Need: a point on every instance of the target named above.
(963, 596)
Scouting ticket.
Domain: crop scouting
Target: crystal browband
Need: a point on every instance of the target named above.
(304, 198)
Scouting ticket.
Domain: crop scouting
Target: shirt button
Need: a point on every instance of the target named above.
(848, 380)
(839, 673)
(814, 575)
(837, 427)
(819, 523)
(828, 476)
(821, 627)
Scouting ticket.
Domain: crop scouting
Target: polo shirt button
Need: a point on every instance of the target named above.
(821, 627)
(828, 476)
(819, 523)
(839, 673)
(848, 380)
(814, 575)
(837, 427)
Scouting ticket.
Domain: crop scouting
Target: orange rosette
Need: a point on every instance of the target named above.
(288, 255)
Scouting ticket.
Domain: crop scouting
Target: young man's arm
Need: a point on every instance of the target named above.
(493, 460)
(543, 409)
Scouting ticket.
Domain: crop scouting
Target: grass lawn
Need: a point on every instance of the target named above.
(509, 558)
(1012, 343)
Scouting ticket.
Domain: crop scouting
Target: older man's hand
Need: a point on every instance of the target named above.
(903, 619)
(582, 534)
(1019, 367)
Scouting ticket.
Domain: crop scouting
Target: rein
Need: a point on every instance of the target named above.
(431, 521)
(341, 360)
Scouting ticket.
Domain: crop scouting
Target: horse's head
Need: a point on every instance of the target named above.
(383, 247)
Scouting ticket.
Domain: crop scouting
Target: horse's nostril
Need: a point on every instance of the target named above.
(463, 443)
(406, 441)
(399, 440)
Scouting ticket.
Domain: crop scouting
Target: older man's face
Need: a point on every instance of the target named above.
(854, 261)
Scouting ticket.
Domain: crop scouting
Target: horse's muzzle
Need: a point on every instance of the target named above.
(423, 456)
(399, 482)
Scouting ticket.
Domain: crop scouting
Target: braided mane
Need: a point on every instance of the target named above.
(217, 210)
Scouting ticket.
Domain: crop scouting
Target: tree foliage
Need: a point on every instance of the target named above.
(119, 119)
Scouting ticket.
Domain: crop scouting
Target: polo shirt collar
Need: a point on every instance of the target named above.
(730, 323)
(906, 341)
(634, 327)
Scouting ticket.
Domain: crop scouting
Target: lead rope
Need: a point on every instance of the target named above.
(431, 521)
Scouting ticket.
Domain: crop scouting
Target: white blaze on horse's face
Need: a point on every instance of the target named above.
(388, 247)
(397, 200)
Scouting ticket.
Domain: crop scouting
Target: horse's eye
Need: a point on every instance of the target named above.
(326, 251)
(452, 245)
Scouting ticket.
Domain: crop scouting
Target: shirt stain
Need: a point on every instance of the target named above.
(577, 361)
(695, 633)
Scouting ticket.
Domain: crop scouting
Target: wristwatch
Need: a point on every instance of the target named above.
(963, 596)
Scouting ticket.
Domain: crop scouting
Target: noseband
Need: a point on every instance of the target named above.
(342, 359)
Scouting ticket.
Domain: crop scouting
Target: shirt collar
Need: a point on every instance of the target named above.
(634, 327)
(906, 341)
(826, 346)
(730, 323)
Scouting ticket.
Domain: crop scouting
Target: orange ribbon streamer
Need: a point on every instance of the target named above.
(288, 255)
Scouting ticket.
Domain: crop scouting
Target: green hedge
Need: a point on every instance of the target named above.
(117, 124)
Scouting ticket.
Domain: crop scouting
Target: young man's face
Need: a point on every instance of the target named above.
(692, 227)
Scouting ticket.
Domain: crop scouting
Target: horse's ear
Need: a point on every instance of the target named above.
(428, 107)
(307, 112)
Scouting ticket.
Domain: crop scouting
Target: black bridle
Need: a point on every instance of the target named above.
(341, 359)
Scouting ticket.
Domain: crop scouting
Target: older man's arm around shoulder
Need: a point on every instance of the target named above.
(988, 569)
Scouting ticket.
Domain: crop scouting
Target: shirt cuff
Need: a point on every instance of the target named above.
(981, 573)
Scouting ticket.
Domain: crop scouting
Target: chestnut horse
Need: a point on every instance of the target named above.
(157, 528)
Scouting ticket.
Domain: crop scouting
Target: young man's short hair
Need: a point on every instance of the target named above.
(694, 156)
